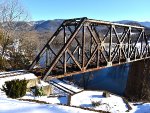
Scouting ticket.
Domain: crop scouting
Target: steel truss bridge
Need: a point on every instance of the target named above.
(82, 45)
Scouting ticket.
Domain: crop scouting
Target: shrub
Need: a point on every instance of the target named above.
(106, 94)
(15, 88)
(97, 103)
(38, 91)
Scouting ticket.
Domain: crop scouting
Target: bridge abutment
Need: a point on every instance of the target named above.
(138, 84)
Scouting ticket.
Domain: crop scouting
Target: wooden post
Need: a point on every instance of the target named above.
(69, 100)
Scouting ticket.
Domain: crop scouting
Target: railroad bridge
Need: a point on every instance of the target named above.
(82, 45)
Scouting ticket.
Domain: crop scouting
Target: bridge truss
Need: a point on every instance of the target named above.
(82, 45)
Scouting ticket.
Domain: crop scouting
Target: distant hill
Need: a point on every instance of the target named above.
(147, 24)
(49, 25)
(52, 25)
(131, 22)
(144, 24)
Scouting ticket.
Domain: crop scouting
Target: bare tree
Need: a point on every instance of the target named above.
(28, 44)
(11, 12)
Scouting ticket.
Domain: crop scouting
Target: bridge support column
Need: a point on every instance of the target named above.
(138, 85)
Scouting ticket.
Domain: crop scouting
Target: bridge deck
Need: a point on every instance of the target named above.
(74, 70)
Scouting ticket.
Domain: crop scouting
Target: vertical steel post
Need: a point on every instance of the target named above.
(91, 44)
(98, 55)
(110, 46)
(119, 54)
(83, 48)
(129, 45)
(141, 51)
(65, 53)
(79, 54)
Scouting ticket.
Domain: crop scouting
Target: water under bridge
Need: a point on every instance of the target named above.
(82, 45)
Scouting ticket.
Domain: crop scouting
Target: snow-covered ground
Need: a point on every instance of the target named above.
(84, 99)
(8, 105)
(75, 89)
(53, 100)
(66, 87)
(113, 104)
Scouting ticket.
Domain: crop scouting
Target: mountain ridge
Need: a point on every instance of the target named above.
(54, 24)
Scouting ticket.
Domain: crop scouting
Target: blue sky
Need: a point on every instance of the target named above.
(110, 10)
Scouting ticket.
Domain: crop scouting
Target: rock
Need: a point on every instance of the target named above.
(106, 94)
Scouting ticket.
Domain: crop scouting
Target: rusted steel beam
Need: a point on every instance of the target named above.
(93, 54)
(74, 59)
(115, 53)
(142, 44)
(65, 47)
(75, 37)
(116, 34)
(104, 56)
(110, 44)
(91, 45)
(97, 34)
(124, 53)
(54, 53)
(106, 34)
(119, 55)
(98, 56)
(110, 23)
(88, 70)
(129, 44)
(83, 48)
(113, 45)
(76, 48)
(36, 60)
(136, 43)
(124, 35)
(74, 19)
(92, 34)
(65, 53)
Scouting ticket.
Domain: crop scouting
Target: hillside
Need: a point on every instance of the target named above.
(52, 25)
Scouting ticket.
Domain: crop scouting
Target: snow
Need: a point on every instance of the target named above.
(65, 85)
(145, 108)
(8, 105)
(62, 88)
(2, 74)
(21, 76)
(113, 104)
(52, 100)
(26, 107)
(42, 83)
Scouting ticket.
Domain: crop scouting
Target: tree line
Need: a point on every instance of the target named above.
(18, 44)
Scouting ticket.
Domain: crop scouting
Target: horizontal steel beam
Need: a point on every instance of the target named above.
(111, 23)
